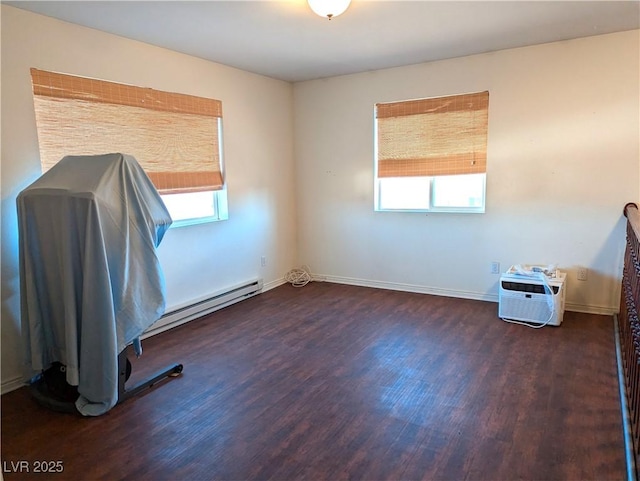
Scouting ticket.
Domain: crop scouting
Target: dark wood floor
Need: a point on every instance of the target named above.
(333, 382)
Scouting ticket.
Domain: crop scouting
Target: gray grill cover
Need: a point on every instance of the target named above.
(90, 279)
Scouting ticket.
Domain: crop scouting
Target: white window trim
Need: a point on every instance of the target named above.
(433, 209)
(221, 210)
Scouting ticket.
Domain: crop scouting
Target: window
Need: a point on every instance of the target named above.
(431, 154)
(176, 138)
(196, 207)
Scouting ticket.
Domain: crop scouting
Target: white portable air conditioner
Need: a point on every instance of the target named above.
(526, 298)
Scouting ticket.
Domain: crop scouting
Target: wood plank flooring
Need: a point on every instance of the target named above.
(335, 382)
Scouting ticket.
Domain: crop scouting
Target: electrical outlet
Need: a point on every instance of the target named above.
(583, 273)
(263, 261)
(495, 267)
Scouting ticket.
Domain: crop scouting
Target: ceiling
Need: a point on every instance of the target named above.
(286, 40)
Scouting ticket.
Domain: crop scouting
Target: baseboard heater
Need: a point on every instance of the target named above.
(205, 306)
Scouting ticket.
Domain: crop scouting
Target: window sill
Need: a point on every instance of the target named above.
(439, 210)
(202, 220)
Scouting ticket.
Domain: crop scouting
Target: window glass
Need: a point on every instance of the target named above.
(452, 193)
(458, 190)
(196, 207)
(404, 193)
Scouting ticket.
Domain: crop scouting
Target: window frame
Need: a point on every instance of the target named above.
(432, 207)
(109, 110)
(220, 209)
(431, 179)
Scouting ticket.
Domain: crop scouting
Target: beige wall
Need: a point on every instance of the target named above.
(563, 159)
(258, 143)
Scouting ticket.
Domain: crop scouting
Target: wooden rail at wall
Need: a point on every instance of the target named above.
(629, 326)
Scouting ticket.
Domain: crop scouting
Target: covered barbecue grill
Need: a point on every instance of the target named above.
(90, 278)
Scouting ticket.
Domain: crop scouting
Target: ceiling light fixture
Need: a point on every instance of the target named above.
(329, 8)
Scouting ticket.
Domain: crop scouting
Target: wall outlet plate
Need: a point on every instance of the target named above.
(583, 273)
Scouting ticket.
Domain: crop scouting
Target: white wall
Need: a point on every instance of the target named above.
(563, 159)
(258, 143)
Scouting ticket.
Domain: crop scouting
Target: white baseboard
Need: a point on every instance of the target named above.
(600, 310)
(396, 286)
(12, 384)
(267, 286)
(437, 291)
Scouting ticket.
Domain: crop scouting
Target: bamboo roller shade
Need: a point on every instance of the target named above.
(174, 137)
(436, 136)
